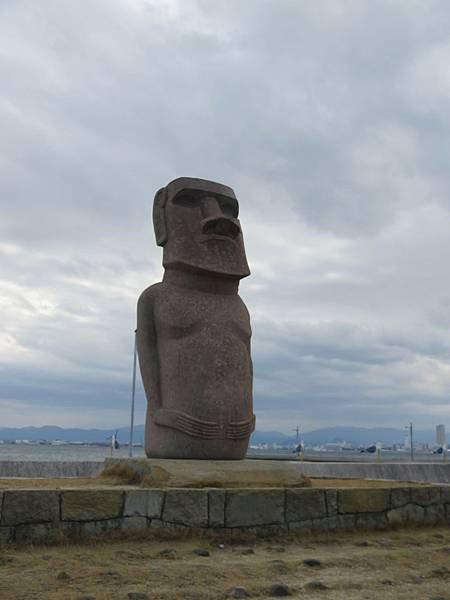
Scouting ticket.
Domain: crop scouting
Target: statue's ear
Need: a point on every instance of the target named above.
(159, 217)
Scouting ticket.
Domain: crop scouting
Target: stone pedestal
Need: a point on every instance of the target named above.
(207, 473)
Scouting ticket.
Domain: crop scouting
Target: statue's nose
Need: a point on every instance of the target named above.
(215, 222)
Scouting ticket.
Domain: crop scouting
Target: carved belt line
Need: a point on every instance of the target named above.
(207, 430)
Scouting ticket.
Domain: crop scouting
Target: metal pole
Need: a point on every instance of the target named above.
(133, 393)
(411, 441)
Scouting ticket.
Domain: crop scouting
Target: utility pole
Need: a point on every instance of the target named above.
(411, 449)
(411, 440)
(133, 393)
(297, 432)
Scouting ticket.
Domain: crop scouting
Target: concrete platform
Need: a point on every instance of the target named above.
(415, 472)
(165, 472)
(438, 473)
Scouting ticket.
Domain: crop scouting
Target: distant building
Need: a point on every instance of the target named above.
(441, 439)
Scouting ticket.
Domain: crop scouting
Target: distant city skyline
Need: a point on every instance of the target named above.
(441, 437)
(330, 122)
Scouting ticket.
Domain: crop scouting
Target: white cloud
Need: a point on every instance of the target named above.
(330, 121)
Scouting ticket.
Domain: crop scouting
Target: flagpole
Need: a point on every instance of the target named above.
(133, 393)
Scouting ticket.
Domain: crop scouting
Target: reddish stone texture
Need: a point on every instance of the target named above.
(193, 331)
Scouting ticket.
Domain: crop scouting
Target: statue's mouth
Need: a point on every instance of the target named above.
(220, 228)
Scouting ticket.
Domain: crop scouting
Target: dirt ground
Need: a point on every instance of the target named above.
(407, 564)
(57, 483)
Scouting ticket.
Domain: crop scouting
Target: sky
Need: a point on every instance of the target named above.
(329, 119)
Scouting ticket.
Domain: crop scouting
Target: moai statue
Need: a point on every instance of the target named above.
(193, 330)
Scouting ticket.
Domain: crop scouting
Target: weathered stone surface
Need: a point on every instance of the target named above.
(216, 500)
(134, 523)
(160, 524)
(304, 525)
(186, 507)
(91, 505)
(363, 500)
(6, 535)
(344, 522)
(90, 528)
(411, 513)
(434, 514)
(305, 504)
(39, 533)
(425, 496)
(193, 331)
(331, 502)
(30, 506)
(445, 495)
(143, 503)
(247, 508)
(371, 521)
(400, 497)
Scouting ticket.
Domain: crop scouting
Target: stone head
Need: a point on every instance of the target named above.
(196, 222)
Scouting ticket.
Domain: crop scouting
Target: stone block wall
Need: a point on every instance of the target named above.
(48, 516)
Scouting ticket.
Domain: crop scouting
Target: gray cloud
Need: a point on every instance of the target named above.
(329, 119)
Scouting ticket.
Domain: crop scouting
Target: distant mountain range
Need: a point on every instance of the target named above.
(354, 435)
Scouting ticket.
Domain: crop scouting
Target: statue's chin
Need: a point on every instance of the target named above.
(228, 270)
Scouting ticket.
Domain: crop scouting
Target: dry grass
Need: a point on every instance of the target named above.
(401, 565)
(121, 473)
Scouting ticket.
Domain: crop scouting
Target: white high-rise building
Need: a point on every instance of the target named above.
(441, 438)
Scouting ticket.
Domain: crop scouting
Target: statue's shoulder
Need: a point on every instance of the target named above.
(150, 294)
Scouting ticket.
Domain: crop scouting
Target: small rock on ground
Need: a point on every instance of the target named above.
(200, 551)
(168, 553)
(279, 589)
(316, 585)
(441, 571)
(312, 562)
(387, 582)
(239, 592)
(63, 576)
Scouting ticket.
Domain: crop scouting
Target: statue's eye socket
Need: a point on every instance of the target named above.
(229, 209)
(186, 200)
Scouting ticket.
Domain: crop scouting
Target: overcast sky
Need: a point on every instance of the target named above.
(330, 119)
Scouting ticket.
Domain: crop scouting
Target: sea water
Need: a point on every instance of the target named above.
(63, 452)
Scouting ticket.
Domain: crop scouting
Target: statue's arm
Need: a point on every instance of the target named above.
(147, 348)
